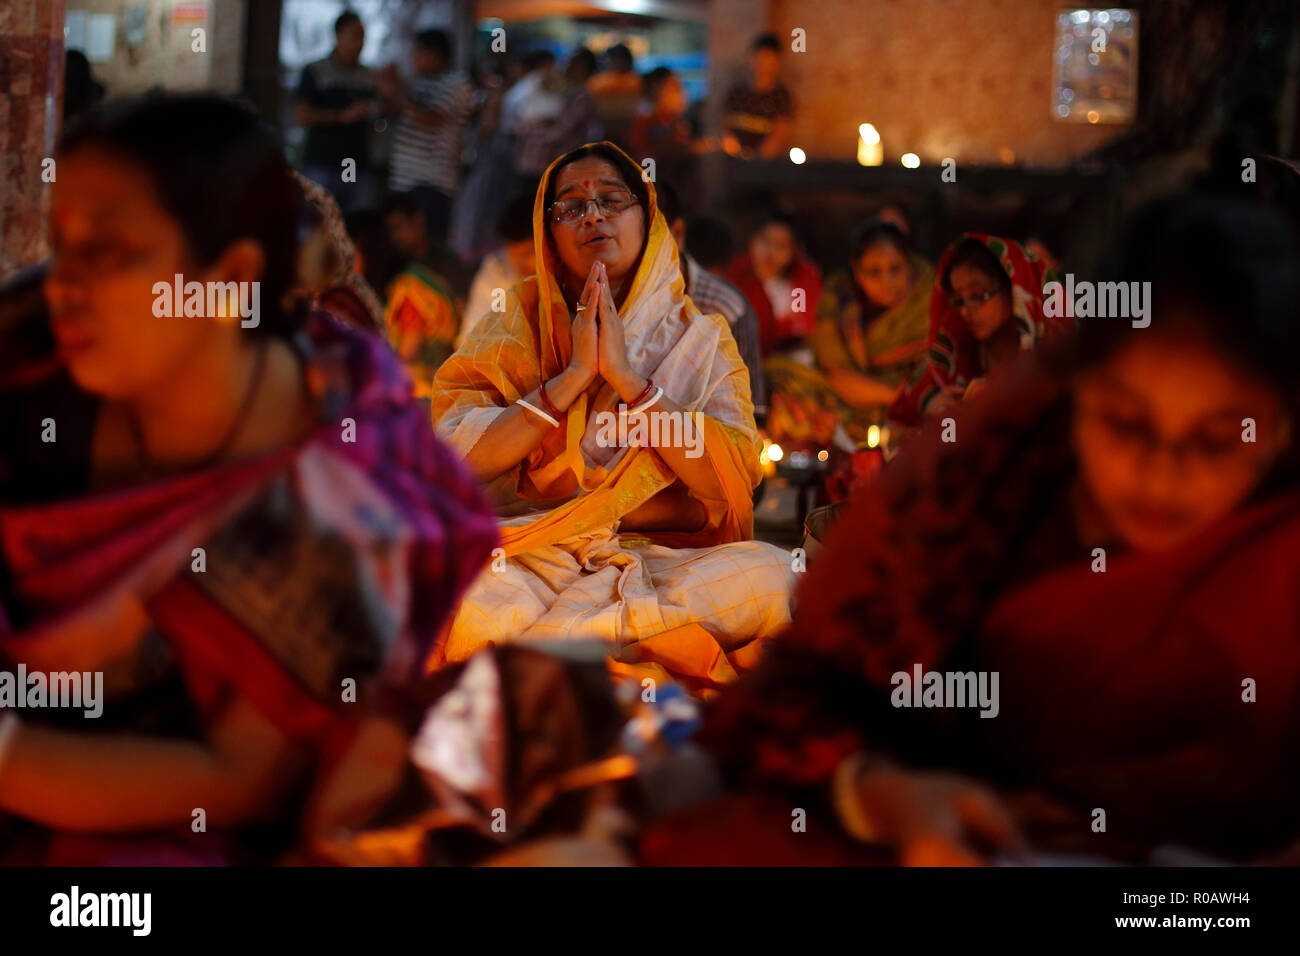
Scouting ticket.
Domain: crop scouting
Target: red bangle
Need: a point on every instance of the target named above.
(645, 392)
(550, 407)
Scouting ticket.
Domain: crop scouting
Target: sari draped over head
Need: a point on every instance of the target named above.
(275, 579)
(954, 357)
(1121, 689)
(887, 347)
(573, 490)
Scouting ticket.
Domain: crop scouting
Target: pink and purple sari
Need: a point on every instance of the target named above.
(286, 580)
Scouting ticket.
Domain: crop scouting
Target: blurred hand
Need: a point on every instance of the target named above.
(949, 398)
(936, 819)
(357, 112)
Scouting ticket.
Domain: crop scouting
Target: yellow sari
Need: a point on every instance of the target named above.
(694, 604)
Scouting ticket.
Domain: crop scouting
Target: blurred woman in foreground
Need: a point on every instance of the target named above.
(639, 537)
(245, 522)
(1113, 536)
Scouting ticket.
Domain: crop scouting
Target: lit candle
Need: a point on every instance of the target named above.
(871, 151)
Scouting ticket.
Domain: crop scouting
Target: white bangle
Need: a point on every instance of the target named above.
(8, 727)
(539, 413)
(658, 394)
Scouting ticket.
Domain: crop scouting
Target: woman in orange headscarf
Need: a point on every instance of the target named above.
(613, 424)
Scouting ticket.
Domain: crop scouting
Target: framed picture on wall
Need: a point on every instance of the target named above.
(1094, 76)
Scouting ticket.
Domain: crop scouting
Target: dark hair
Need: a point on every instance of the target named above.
(583, 58)
(620, 57)
(709, 242)
(80, 90)
(653, 81)
(876, 232)
(629, 170)
(766, 41)
(974, 254)
(775, 217)
(435, 41)
(670, 204)
(403, 203)
(1225, 268)
(218, 171)
(345, 20)
(380, 259)
(536, 59)
(515, 224)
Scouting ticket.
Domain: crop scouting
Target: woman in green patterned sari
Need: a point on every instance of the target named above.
(872, 327)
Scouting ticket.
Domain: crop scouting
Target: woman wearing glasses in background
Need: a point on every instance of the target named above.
(645, 547)
(987, 308)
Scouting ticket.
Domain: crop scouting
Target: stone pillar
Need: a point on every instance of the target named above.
(31, 106)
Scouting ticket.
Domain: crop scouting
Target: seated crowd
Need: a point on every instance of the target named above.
(288, 546)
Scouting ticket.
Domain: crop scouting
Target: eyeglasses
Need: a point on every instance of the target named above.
(978, 299)
(570, 211)
(1198, 451)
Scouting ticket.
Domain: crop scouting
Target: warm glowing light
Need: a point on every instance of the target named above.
(873, 436)
(911, 160)
(774, 452)
(823, 455)
(798, 156)
(1007, 155)
(871, 151)
(1093, 116)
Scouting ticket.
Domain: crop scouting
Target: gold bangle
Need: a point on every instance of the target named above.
(847, 801)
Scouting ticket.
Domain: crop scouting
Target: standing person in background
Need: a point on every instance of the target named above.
(511, 263)
(81, 90)
(567, 121)
(663, 133)
(426, 141)
(712, 293)
(480, 197)
(529, 106)
(618, 93)
(336, 100)
(757, 114)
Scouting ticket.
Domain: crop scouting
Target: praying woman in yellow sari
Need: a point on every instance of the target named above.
(645, 544)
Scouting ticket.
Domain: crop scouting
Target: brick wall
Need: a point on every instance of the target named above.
(960, 78)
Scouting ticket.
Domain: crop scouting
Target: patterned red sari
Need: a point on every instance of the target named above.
(1165, 690)
(277, 580)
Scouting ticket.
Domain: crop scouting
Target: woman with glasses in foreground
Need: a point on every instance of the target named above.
(640, 542)
(1112, 535)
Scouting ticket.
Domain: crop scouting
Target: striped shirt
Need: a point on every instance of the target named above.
(430, 155)
(712, 293)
